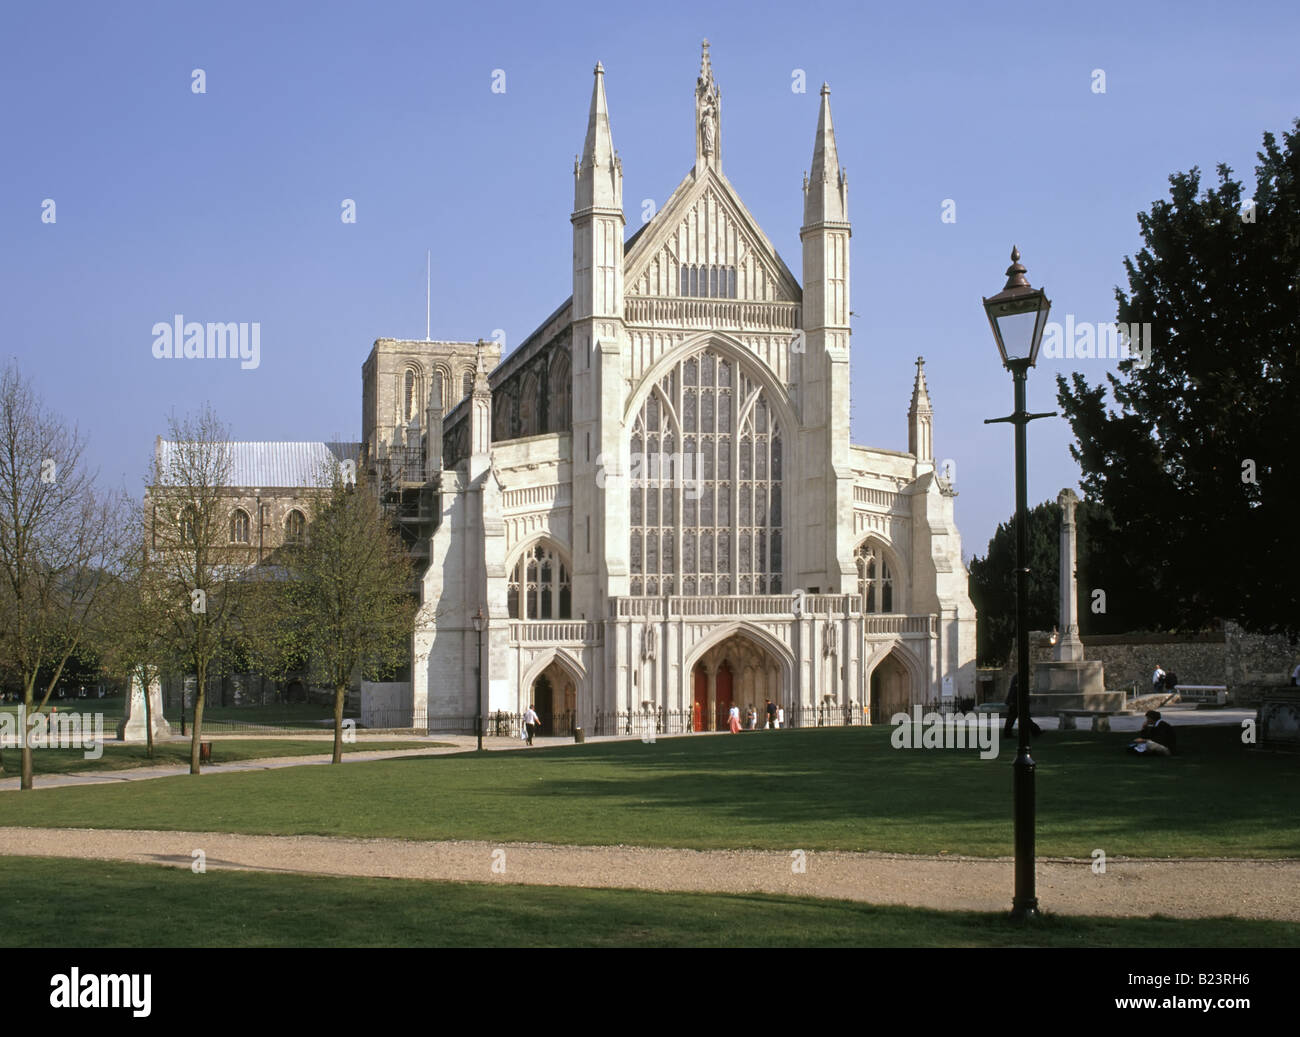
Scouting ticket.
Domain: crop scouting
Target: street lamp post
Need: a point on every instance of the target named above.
(1017, 315)
(480, 621)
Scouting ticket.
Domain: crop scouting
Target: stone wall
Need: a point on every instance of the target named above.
(1231, 656)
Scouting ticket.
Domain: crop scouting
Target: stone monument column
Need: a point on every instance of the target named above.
(132, 727)
(1069, 648)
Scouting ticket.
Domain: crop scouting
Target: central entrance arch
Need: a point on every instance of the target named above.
(739, 669)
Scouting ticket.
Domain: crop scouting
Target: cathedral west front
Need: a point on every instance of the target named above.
(652, 505)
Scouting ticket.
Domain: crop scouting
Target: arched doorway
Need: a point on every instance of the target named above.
(891, 689)
(554, 695)
(739, 671)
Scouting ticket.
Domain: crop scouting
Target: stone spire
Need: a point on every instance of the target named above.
(825, 189)
(708, 121)
(598, 173)
(920, 418)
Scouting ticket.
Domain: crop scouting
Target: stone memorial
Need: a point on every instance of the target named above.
(1069, 681)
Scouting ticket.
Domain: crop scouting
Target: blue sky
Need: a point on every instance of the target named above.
(225, 206)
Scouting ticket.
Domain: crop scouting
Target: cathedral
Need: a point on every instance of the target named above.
(652, 505)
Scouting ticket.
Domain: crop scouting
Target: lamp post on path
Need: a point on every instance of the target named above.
(1017, 315)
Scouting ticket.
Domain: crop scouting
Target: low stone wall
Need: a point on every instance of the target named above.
(1232, 657)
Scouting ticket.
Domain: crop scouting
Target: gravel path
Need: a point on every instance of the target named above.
(1129, 888)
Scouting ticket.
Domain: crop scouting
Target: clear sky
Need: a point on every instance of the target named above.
(225, 205)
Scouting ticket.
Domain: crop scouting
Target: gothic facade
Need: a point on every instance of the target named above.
(654, 500)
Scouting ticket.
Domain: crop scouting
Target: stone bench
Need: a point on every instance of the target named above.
(1100, 718)
(1203, 694)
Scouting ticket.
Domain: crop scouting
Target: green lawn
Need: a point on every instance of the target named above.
(839, 788)
(298, 911)
(118, 756)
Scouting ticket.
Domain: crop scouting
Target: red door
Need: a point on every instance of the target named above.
(724, 697)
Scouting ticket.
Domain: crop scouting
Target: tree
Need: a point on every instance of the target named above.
(200, 578)
(57, 545)
(132, 642)
(993, 581)
(345, 604)
(1198, 461)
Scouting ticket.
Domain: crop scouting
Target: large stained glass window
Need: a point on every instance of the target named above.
(706, 479)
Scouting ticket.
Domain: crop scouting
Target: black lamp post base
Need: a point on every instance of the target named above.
(1025, 912)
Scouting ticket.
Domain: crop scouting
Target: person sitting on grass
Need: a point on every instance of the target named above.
(1156, 738)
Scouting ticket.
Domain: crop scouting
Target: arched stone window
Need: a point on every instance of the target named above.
(435, 396)
(239, 526)
(875, 581)
(410, 396)
(295, 527)
(467, 382)
(189, 526)
(540, 585)
(706, 479)
(560, 417)
(530, 402)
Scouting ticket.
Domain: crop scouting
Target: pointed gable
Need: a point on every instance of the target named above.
(704, 243)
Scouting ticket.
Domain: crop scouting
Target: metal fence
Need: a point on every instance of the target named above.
(643, 722)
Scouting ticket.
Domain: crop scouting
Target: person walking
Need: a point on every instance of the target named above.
(531, 722)
(780, 717)
(771, 716)
(1157, 680)
(1013, 710)
(733, 719)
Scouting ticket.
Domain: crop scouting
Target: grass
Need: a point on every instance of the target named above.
(118, 757)
(830, 789)
(298, 911)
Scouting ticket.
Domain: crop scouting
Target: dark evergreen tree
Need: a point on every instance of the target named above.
(1197, 460)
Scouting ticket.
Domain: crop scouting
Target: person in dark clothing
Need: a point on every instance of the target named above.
(1157, 737)
(1013, 710)
(771, 715)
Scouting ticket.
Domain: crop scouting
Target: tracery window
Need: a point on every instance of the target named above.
(705, 483)
(239, 526)
(540, 585)
(708, 281)
(875, 581)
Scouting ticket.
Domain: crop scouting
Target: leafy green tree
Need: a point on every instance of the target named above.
(1198, 459)
(345, 605)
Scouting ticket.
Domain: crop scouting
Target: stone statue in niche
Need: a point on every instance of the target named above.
(707, 127)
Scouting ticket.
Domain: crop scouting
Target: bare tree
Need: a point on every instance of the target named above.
(58, 544)
(200, 577)
(346, 604)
